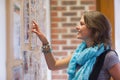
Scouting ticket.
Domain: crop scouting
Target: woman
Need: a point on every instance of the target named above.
(94, 29)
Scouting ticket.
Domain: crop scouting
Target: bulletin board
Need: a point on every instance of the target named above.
(25, 61)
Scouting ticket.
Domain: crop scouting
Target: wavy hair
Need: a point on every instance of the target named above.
(100, 27)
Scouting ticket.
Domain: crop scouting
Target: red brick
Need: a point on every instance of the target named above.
(58, 19)
(92, 8)
(68, 24)
(55, 47)
(58, 30)
(77, 8)
(53, 13)
(69, 13)
(68, 2)
(75, 19)
(73, 30)
(77, 41)
(58, 8)
(54, 25)
(69, 47)
(87, 2)
(68, 36)
(54, 36)
(60, 53)
(59, 42)
(53, 2)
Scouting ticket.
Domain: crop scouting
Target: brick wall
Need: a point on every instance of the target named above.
(65, 15)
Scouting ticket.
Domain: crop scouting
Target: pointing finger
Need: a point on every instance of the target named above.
(34, 23)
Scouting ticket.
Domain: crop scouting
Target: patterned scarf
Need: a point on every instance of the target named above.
(85, 57)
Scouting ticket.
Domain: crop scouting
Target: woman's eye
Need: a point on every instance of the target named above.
(81, 24)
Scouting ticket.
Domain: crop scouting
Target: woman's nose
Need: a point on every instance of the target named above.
(77, 27)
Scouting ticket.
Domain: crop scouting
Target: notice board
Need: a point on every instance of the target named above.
(25, 61)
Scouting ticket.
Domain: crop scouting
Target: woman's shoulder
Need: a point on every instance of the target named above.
(112, 53)
(111, 59)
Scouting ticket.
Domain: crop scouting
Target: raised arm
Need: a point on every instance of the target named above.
(51, 62)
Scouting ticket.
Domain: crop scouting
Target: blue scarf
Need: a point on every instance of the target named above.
(85, 57)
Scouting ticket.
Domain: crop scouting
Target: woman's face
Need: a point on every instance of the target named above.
(83, 32)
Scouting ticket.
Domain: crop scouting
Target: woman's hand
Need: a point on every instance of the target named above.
(36, 29)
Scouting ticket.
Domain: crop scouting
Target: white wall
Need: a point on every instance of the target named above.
(2, 40)
(117, 25)
(48, 32)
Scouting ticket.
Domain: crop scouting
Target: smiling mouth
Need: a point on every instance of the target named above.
(78, 32)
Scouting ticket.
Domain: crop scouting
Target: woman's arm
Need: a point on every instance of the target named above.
(51, 62)
(115, 71)
(56, 64)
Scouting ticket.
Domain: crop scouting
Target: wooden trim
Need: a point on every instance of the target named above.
(98, 5)
(7, 37)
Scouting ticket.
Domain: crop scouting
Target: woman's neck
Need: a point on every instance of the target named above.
(89, 43)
